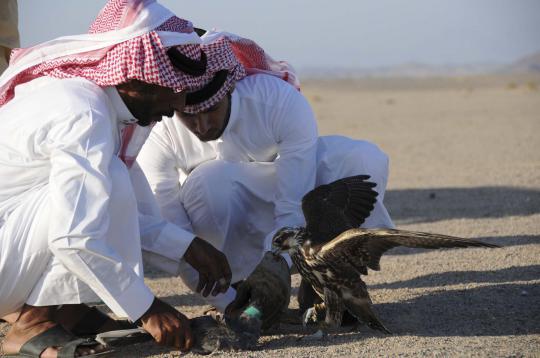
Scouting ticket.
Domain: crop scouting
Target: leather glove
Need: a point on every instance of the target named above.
(267, 290)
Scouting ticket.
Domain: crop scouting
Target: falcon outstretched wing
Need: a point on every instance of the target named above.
(356, 250)
(339, 206)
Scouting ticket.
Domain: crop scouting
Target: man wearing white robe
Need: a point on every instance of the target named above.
(236, 171)
(72, 214)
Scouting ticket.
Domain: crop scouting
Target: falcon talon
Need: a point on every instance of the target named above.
(309, 315)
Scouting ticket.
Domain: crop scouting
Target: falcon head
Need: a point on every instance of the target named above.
(288, 238)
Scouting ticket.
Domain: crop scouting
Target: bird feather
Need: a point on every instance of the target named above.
(334, 208)
(366, 246)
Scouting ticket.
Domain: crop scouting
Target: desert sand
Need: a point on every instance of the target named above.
(465, 161)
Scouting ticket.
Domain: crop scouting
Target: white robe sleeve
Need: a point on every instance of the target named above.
(159, 237)
(81, 151)
(295, 131)
(161, 167)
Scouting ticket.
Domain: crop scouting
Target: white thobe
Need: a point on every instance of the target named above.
(71, 217)
(238, 190)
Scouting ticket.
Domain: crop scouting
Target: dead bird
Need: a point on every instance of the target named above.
(331, 252)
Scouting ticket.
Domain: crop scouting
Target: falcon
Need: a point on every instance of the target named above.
(331, 252)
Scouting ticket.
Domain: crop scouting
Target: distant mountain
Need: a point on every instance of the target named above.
(527, 64)
(405, 70)
(425, 70)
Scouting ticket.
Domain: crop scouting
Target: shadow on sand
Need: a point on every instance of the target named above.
(500, 308)
(507, 275)
(187, 298)
(409, 206)
(495, 310)
(505, 304)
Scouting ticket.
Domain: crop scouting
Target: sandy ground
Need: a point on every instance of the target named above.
(465, 161)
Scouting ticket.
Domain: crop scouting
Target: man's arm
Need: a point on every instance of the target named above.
(80, 188)
(295, 131)
(159, 236)
(171, 243)
(162, 169)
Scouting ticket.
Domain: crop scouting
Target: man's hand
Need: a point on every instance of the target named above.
(168, 326)
(268, 289)
(212, 265)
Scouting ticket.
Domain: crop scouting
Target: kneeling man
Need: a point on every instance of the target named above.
(233, 166)
(73, 113)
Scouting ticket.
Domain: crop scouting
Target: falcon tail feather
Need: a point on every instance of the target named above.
(364, 313)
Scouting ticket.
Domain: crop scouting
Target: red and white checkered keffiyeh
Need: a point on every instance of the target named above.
(245, 58)
(124, 42)
(128, 40)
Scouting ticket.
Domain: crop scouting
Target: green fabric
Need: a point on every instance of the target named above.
(252, 312)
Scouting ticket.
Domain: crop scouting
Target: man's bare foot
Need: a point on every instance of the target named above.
(32, 322)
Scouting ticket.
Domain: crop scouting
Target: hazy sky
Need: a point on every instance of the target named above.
(339, 33)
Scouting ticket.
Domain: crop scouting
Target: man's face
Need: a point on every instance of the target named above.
(210, 124)
(149, 103)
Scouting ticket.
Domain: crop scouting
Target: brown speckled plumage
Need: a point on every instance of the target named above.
(332, 253)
